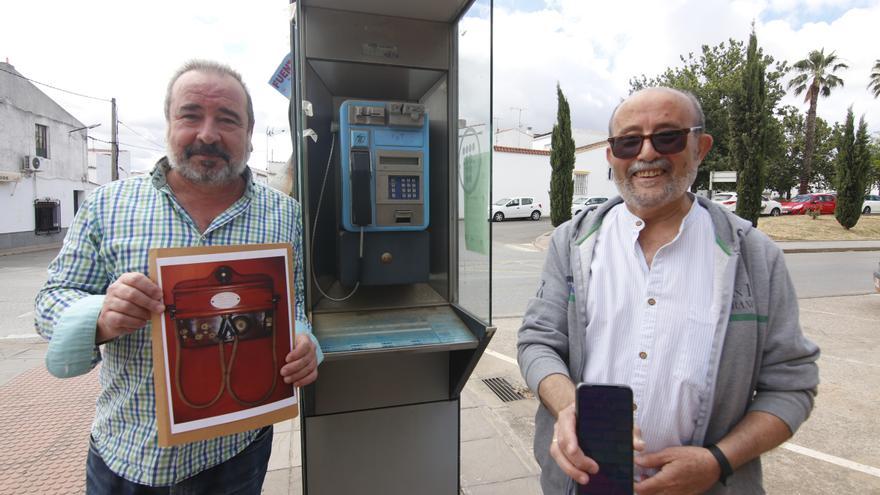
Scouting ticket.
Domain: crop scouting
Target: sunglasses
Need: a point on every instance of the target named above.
(664, 142)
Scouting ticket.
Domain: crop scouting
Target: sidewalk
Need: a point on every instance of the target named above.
(45, 422)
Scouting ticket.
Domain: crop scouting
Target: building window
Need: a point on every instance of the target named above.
(580, 183)
(41, 136)
(47, 216)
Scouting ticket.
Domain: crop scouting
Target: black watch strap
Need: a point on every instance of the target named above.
(726, 470)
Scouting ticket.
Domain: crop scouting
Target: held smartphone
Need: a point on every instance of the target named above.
(604, 431)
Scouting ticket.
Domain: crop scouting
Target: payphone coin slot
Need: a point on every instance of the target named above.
(403, 216)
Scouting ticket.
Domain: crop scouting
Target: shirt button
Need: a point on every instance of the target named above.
(635, 406)
(643, 355)
(638, 223)
(651, 302)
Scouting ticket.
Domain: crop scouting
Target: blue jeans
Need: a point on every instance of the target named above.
(242, 474)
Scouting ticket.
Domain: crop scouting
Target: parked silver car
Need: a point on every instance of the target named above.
(871, 204)
(581, 203)
(768, 206)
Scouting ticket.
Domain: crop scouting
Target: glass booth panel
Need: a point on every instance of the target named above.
(389, 181)
(474, 39)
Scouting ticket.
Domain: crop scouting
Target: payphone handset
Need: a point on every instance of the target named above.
(384, 166)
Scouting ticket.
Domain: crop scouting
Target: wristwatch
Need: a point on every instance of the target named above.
(726, 470)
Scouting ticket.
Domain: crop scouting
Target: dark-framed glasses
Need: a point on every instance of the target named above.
(666, 142)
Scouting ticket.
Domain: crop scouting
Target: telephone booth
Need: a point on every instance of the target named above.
(391, 111)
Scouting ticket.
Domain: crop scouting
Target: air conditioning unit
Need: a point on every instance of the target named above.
(34, 164)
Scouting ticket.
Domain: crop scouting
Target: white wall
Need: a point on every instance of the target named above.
(22, 106)
(517, 174)
(594, 162)
(100, 168)
(514, 138)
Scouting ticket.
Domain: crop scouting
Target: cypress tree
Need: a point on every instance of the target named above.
(561, 163)
(748, 124)
(853, 167)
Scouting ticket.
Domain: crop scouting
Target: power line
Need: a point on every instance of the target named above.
(54, 87)
(123, 124)
(127, 144)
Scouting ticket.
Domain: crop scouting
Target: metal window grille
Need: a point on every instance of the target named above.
(47, 216)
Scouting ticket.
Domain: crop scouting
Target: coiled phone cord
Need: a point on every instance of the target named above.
(225, 372)
(315, 230)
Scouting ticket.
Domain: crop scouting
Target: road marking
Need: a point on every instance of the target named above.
(529, 248)
(501, 357)
(870, 320)
(838, 461)
(29, 313)
(815, 454)
(21, 336)
(853, 361)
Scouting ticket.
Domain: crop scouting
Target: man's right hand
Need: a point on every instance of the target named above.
(128, 305)
(565, 450)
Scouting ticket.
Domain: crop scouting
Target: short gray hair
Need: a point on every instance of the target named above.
(212, 67)
(698, 108)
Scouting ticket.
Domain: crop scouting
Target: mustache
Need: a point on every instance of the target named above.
(639, 166)
(205, 150)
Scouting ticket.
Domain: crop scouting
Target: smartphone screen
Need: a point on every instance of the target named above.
(604, 429)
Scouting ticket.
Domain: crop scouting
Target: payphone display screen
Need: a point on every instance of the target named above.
(412, 161)
(403, 187)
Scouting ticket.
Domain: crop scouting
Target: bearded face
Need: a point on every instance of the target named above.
(208, 134)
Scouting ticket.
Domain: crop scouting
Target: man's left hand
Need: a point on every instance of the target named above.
(683, 470)
(302, 362)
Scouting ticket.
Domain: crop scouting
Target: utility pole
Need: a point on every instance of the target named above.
(114, 143)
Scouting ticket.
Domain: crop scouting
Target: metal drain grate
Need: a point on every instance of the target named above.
(502, 388)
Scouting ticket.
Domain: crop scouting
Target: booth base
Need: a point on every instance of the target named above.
(389, 451)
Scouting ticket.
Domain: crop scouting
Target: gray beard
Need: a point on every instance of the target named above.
(671, 191)
(220, 174)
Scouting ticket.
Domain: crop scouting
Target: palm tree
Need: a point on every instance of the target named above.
(815, 77)
(874, 85)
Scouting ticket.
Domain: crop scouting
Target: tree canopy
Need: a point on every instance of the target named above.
(815, 76)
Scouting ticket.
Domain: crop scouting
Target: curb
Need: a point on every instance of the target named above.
(543, 240)
(830, 249)
(30, 249)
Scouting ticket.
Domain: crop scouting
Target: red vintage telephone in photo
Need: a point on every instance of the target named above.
(223, 308)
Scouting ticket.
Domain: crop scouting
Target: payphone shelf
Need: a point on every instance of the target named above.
(435, 328)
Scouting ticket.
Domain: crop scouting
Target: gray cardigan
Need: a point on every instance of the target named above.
(760, 359)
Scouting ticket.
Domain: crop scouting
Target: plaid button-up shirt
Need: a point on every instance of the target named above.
(111, 235)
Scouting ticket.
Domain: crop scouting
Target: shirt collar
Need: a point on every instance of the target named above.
(633, 222)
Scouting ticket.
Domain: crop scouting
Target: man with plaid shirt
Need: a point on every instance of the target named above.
(97, 294)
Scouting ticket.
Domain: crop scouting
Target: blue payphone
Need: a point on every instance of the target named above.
(384, 166)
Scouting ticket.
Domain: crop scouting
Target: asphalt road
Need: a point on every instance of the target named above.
(517, 265)
(516, 262)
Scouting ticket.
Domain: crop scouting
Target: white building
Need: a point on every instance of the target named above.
(525, 170)
(44, 174)
(100, 164)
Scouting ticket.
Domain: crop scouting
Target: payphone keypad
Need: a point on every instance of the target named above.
(403, 187)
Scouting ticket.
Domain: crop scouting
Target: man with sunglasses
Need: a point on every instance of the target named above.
(680, 300)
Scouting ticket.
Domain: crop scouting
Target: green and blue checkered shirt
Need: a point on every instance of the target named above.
(111, 235)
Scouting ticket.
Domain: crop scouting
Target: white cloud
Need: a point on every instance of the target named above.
(129, 50)
(594, 48)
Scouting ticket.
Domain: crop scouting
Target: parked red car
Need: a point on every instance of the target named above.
(799, 204)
